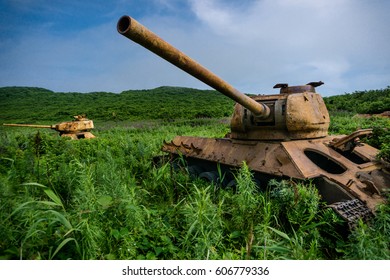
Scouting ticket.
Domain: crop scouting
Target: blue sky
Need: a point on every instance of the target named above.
(252, 44)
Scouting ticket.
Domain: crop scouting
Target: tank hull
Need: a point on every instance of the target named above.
(340, 177)
(278, 136)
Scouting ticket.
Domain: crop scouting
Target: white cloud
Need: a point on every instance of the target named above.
(277, 37)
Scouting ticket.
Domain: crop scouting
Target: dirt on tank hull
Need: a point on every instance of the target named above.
(353, 184)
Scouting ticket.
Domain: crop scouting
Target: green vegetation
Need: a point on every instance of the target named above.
(362, 102)
(165, 103)
(104, 198)
(344, 110)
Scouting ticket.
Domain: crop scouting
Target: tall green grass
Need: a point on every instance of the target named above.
(104, 198)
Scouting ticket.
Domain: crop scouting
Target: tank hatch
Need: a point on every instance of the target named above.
(310, 87)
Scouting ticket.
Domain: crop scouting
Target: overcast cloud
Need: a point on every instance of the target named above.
(252, 44)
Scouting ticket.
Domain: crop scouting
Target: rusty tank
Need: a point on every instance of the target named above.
(79, 128)
(282, 135)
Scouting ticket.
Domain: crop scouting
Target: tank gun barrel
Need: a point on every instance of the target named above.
(138, 33)
(28, 125)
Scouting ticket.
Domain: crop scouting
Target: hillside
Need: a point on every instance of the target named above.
(38, 104)
(362, 102)
(29, 104)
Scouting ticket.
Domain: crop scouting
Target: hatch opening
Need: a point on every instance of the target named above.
(324, 162)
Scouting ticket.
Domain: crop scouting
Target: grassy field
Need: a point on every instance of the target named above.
(104, 198)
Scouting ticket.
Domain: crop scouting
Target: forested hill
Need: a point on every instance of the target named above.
(362, 102)
(38, 104)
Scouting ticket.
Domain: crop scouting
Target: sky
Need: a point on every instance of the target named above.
(73, 46)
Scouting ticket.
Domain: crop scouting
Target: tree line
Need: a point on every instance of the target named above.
(32, 104)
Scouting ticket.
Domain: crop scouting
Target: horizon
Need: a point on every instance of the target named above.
(184, 88)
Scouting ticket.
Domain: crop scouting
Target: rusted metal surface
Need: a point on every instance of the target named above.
(352, 210)
(27, 125)
(293, 116)
(282, 135)
(310, 87)
(349, 142)
(299, 159)
(76, 129)
(135, 31)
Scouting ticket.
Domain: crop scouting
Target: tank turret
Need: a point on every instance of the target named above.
(296, 113)
(281, 135)
(77, 129)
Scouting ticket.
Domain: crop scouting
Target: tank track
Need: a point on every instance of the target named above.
(352, 210)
